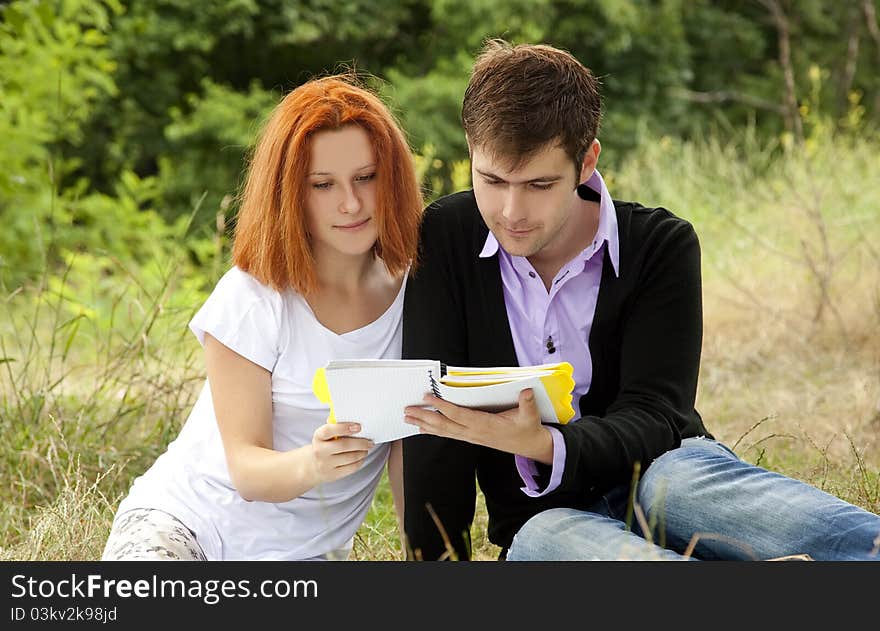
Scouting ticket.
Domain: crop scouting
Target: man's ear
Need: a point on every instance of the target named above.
(591, 159)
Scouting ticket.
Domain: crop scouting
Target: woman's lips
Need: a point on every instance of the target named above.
(353, 226)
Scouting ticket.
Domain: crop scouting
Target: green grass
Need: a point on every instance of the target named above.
(97, 372)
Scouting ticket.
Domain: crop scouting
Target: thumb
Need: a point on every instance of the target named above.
(527, 400)
(329, 431)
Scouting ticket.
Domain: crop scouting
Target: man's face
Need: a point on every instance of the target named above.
(526, 209)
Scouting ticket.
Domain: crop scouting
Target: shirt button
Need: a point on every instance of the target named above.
(532, 274)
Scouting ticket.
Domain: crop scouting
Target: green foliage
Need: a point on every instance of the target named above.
(54, 68)
(171, 93)
(170, 50)
(120, 120)
(429, 108)
(126, 127)
(207, 144)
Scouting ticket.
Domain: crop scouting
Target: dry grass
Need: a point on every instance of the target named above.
(74, 527)
(794, 395)
(790, 372)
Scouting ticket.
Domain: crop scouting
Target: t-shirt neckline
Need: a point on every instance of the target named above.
(359, 331)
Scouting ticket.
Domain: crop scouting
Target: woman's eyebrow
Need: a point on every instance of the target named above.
(366, 166)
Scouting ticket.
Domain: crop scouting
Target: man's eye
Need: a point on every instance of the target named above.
(542, 187)
(494, 182)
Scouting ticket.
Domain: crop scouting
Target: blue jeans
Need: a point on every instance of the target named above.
(702, 493)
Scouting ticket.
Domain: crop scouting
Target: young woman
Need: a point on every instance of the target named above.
(327, 230)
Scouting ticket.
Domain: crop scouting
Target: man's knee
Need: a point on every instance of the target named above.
(540, 538)
(545, 524)
(674, 474)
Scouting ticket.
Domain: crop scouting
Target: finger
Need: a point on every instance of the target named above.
(527, 400)
(449, 412)
(345, 445)
(447, 409)
(348, 469)
(328, 431)
(429, 417)
(425, 427)
(326, 449)
(528, 407)
(348, 458)
(434, 423)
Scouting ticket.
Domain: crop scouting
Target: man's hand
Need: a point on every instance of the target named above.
(517, 431)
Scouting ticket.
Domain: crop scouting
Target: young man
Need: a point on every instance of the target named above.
(535, 265)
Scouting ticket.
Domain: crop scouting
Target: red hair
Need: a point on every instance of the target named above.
(271, 241)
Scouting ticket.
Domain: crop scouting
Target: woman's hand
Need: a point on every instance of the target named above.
(242, 397)
(336, 453)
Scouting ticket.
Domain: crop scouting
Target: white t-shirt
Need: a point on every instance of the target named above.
(191, 481)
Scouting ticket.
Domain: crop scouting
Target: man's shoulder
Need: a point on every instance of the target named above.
(454, 216)
(637, 222)
(454, 206)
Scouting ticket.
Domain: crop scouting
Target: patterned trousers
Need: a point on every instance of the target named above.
(147, 534)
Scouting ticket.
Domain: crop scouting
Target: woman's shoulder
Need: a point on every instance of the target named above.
(245, 291)
(237, 280)
(240, 296)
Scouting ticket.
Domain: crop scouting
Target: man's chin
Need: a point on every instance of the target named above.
(518, 248)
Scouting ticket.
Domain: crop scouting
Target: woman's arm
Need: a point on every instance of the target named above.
(242, 396)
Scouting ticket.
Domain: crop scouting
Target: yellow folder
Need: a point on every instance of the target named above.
(558, 381)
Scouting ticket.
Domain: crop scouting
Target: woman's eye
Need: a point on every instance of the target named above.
(366, 178)
(321, 185)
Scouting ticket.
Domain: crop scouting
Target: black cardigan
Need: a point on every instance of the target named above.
(645, 344)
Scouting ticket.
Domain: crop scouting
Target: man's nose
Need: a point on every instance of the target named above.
(514, 206)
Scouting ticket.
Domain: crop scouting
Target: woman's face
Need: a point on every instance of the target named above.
(341, 200)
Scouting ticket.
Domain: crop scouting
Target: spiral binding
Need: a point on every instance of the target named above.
(435, 387)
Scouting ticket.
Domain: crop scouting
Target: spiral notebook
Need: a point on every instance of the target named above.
(374, 392)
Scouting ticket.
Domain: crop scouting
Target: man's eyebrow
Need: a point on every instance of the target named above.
(487, 174)
(543, 178)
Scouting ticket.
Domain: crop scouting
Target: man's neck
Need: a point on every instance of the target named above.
(575, 236)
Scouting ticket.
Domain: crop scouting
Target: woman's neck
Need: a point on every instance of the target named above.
(352, 292)
(343, 273)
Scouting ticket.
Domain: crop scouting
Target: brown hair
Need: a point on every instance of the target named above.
(271, 240)
(520, 98)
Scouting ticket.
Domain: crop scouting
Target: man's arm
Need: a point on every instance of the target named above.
(659, 360)
(659, 365)
(438, 473)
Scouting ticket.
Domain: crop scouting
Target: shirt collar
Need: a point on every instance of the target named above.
(606, 232)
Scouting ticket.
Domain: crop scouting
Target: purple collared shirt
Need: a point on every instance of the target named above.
(563, 316)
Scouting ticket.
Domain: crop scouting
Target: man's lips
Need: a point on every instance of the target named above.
(518, 232)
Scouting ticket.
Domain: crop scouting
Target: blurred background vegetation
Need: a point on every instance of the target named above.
(124, 132)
